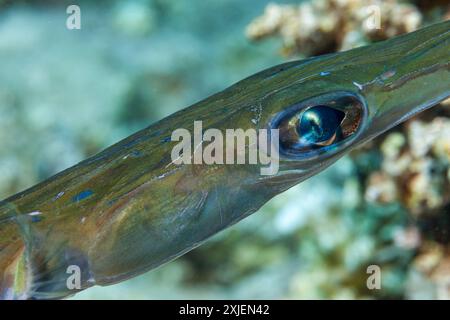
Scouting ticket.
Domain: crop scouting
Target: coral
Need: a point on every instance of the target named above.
(415, 168)
(433, 262)
(67, 95)
(316, 27)
(415, 171)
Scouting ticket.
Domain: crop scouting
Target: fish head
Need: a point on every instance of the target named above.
(319, 109)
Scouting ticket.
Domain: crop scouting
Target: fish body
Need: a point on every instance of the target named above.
(130, 208)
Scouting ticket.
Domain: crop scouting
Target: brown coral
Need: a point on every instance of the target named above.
(415, 168)
(321, 26)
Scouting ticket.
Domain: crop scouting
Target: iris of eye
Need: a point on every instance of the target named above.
(319, 124)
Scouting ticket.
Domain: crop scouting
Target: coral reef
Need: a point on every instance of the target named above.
(415, 168)
(66, 95)
(415, 172)
(320, 26)
(410, 165)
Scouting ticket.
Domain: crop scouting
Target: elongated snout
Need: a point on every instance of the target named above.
(415, 78)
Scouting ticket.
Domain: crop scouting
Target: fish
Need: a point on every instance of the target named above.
(132, 208)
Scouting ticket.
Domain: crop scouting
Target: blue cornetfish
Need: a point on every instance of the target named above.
(130, 209)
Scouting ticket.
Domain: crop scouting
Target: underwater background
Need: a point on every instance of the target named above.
(67, 94)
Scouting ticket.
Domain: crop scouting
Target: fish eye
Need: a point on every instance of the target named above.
(319, 124)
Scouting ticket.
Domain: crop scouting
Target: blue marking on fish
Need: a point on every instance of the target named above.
(82, 195)
(35, 219)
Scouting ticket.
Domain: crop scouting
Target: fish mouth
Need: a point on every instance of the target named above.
(383, 122)
(414, 76)
(420, 108)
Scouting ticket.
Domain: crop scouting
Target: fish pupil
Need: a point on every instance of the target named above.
(319, 124)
